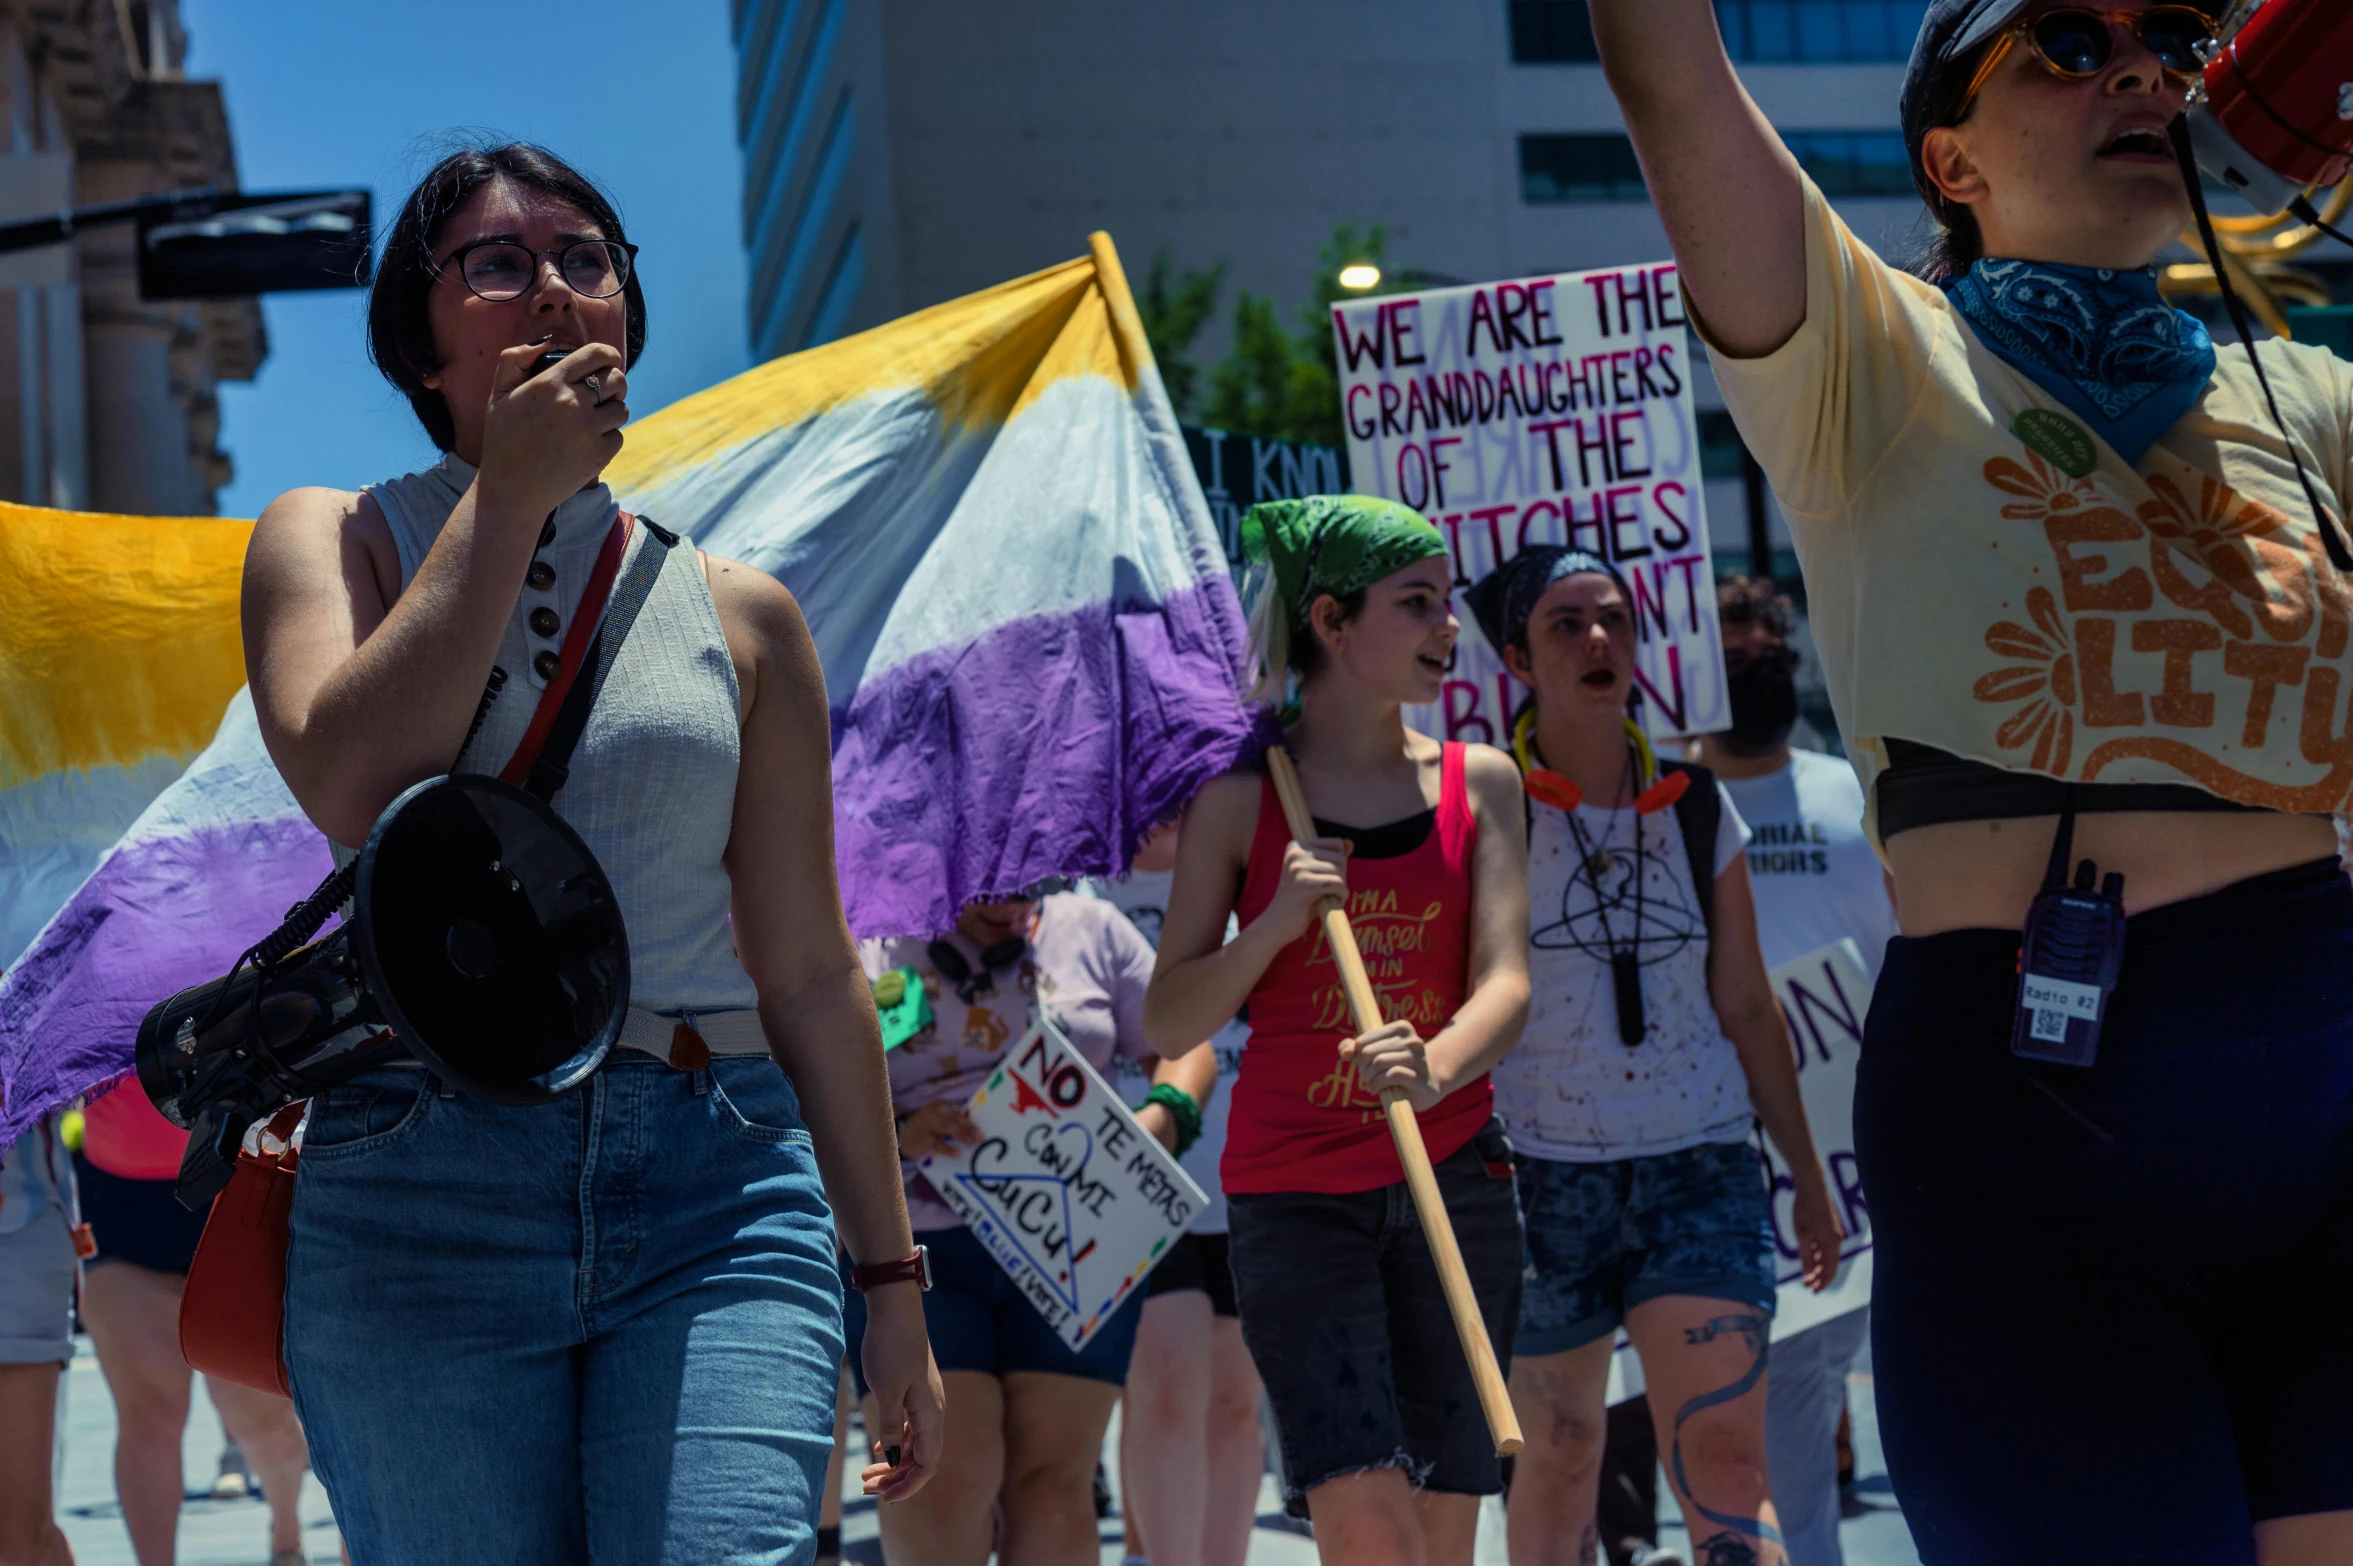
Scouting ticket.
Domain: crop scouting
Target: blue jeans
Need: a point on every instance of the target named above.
(605, 1329)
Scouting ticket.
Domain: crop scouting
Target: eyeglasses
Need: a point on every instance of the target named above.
(2075, 44)
(499, 270)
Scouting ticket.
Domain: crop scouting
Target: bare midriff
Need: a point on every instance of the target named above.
(1960, 875)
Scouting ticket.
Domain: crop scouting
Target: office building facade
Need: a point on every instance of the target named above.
(899, 154)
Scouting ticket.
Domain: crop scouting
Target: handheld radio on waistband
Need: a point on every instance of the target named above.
(2069, 957)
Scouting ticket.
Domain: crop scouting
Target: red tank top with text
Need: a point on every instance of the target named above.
(1301, 1118)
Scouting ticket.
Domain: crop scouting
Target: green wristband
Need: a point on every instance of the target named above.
(1182, 1109)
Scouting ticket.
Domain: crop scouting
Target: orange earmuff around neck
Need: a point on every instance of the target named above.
(1561, 792)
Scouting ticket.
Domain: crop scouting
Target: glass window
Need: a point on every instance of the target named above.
(1603, 167)
(1720, 446)
(1853, 163)
(1552, 32)
(1818, 32)
(1580, 168)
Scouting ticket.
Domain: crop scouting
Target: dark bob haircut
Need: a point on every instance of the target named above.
(400, 321)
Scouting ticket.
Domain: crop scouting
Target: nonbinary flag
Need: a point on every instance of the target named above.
(1030, 642)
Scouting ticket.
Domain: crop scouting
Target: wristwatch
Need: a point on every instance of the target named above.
(908, 1269)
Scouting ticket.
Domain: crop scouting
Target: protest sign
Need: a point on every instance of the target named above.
(1825, 996)
(1074, 1199)
(1548, 410)
(1239, 470)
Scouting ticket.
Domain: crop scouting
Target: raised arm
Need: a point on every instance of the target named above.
(815, 1005)
(1726, 188)
(362, 689)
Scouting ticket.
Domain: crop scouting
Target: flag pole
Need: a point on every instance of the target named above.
(1365, 1007)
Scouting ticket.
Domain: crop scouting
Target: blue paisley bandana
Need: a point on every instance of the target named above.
(2103, 343)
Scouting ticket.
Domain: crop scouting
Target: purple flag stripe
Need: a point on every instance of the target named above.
(1048, 746)
(158, 916)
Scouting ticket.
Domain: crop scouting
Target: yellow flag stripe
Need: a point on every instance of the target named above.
(979, 360)
(118, 637)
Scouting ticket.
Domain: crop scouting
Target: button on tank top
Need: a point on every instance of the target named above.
(652, 785)
(1301, 1119)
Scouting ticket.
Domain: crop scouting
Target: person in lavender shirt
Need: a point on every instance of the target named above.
(1027, 1413)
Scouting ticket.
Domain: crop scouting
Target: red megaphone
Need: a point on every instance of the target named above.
(2278, 115)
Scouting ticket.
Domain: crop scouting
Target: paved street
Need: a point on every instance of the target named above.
(235, 1533)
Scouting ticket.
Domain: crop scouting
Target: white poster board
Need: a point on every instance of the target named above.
(1546, 410)
(1825, 996)
(1074, 1199)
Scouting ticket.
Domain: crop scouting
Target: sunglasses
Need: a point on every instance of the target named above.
(2075, 43)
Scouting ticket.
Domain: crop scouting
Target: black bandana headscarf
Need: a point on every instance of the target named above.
(1502, 600)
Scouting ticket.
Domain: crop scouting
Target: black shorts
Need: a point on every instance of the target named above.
(1345, 1319)
(1197, 1263)
(137, 1221)
(2101, 1328)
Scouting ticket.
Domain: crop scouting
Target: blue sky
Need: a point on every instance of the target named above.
(641, 97)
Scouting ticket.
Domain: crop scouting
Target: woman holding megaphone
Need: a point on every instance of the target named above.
(606, 1327)
(2085, 631)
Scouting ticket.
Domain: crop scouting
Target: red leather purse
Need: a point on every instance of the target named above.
(233, 1307)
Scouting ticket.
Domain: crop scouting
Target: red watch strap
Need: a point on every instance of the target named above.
(908, 1269)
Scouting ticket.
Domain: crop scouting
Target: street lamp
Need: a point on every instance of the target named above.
(1357, 276)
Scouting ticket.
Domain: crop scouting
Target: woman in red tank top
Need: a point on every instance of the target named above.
(1383, 1444)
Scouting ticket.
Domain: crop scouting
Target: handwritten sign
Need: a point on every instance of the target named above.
(1074, 1199)
(1824, 995)
(1549, 410)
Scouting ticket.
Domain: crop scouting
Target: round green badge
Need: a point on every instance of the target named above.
(2066, 444)
(890, 989)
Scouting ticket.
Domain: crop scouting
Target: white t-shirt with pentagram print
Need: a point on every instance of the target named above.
(1571, 1091)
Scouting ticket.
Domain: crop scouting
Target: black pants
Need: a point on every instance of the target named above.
(2108, 1322)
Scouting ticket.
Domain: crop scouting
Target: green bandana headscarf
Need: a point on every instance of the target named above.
(1337, 544)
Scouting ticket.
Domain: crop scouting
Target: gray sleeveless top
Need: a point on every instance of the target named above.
(652, 784)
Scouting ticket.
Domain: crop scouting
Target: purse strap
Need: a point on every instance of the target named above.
(585, 621)
(543, 759)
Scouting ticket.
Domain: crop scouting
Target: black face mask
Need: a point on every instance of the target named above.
(1764, 701)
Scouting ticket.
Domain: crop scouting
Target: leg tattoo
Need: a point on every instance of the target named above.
(1731, 1549)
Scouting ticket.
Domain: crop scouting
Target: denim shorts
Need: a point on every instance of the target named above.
(138, 1221)
(1344, 1316)
(37, 1265)
(1603, 1238)
(980, 1321)
(602, 1329)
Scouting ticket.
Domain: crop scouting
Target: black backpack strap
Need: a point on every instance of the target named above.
(629, 595)
(1700, 813)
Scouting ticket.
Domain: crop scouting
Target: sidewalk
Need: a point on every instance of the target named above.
(235, 1533)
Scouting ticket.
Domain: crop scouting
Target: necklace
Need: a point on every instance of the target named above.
(1625, 961)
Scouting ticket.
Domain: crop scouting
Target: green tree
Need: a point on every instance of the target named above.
(1175, 306)
(1288, 386)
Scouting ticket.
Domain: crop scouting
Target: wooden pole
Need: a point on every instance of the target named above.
(1365, 1006)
